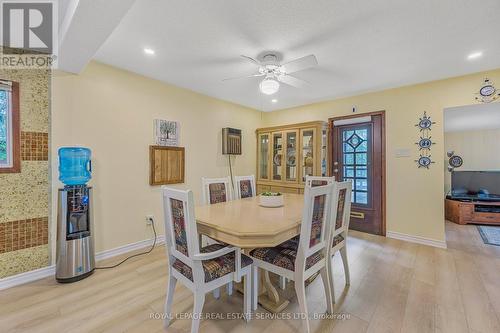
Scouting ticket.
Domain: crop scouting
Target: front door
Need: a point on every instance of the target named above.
(358, 155)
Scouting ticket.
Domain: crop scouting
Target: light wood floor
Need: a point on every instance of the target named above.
(396, 287)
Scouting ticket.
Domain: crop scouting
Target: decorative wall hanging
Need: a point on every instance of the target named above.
(166, 133)
(425, 142)
(454, 161)
(166, 165)
(487, 93)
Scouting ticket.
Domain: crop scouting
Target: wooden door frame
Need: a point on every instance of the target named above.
(383, 171)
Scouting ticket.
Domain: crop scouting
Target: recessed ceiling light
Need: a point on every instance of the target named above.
(475, 55)
(274, 100)
(149, 51)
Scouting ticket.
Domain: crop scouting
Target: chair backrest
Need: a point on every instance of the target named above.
(216, 190)
(313, 181)
(245, 186)
(181, 235)
(315, 229)
(341, 209)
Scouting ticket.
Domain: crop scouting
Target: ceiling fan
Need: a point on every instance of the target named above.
(274, 72)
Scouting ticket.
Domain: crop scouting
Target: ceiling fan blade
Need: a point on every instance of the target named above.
(243, 77)
(252, 60)
(293, 81)
(300, 64)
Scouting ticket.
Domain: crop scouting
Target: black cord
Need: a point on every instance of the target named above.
(135, 255)
(231, 171)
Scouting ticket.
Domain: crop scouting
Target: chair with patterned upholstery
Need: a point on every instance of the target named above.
(245, 186)
(311, 181)
(200, 270)
(300, 260)
(314, 181)
(341, 214)
(216, 190)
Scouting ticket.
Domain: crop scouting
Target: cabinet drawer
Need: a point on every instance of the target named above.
(486, 217)
(283, 189)
(263, 188)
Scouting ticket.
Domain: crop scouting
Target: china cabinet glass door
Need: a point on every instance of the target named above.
(307, 153)
(277, 157)
(264, 156)
(290, 160)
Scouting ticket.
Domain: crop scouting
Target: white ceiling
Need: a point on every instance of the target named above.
(361, 46)
(472, 117)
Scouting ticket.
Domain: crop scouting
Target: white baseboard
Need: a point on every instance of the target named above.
(44, 272)
(416, 239)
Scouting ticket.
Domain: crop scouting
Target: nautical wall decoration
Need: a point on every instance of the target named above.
(487, 93)
(425, 142)
(424, 161)
(454, 161)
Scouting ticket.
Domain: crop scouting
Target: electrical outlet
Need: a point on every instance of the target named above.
(149, 219)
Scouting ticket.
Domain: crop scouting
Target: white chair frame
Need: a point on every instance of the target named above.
(309, 179)
(205, 187)
(238, 179)
(194, 260)
(300, 275)
(343, 230)
(205, 183)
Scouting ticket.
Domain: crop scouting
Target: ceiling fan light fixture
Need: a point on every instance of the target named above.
(269, 86)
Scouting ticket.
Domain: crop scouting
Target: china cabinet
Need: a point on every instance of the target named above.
(287, 154)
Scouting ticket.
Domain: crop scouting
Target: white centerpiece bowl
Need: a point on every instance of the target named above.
(269, 199)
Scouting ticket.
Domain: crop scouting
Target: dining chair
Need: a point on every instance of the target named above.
(215, 190)
(201, 270)
(311, 181)
(245, 186)
(341, 214)
(300, 258)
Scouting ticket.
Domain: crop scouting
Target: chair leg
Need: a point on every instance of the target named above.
(216, 293)
(329, 267)
(343, 253)
(328, 292)
(229, 288)
(247, 297)
(282, 282)
(169, 299)
(300, 290)
(199, 300)
(255, 287)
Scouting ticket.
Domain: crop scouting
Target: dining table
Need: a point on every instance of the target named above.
(246, 224)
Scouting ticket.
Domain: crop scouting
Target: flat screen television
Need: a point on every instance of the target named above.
(475, 185)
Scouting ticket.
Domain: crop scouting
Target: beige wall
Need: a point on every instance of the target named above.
(479, 150)
(414, 196)
(111, 111)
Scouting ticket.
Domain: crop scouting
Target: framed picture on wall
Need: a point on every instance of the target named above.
(166, 133)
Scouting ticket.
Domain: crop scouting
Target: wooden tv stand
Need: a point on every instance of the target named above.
(478, 212)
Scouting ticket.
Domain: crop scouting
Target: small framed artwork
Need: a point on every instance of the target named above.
(166, 132)
(166, 165)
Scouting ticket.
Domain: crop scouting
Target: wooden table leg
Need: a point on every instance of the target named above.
(270, 299)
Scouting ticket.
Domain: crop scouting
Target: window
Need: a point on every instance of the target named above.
(9, 127)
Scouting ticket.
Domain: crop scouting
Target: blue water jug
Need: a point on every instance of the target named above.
(74, 165)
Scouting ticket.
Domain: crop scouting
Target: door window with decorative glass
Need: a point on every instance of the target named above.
(356, 157)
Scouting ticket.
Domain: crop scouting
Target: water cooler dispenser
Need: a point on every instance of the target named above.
(75, 232)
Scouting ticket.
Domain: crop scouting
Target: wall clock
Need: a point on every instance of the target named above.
(487, 93)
